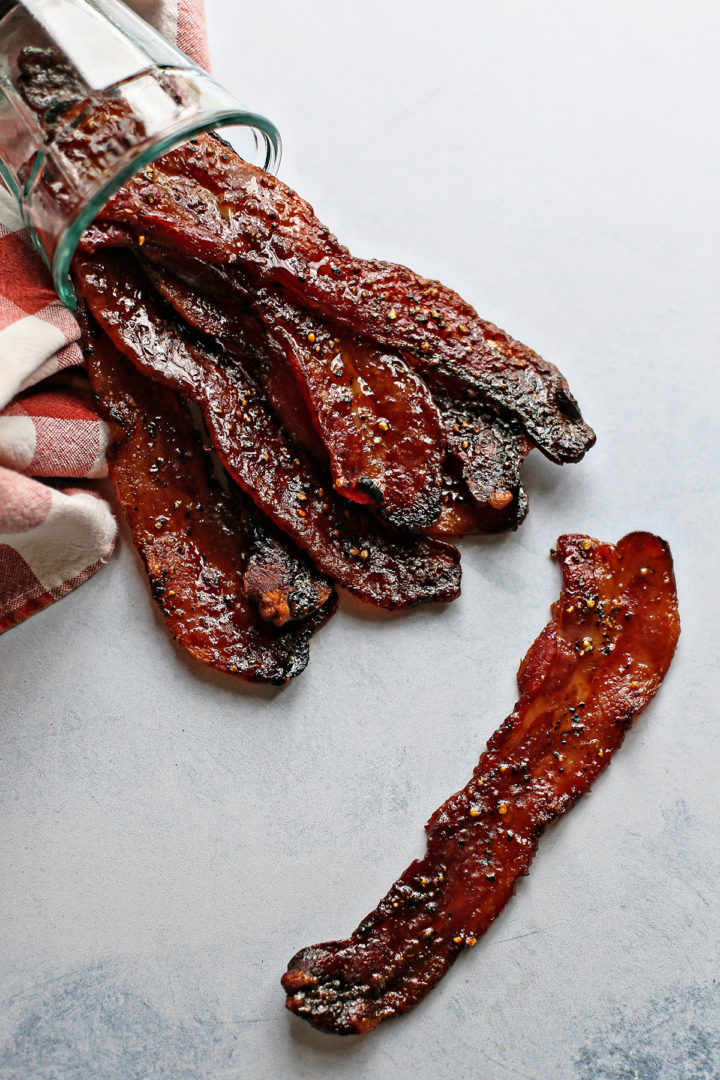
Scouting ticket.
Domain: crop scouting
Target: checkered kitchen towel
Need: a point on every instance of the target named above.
(53, 537)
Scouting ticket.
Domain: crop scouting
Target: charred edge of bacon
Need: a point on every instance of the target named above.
(462, 515)
(487, 451)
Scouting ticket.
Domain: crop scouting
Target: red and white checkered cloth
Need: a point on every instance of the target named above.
(53, 537)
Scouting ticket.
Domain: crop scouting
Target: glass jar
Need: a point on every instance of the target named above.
(89, 94)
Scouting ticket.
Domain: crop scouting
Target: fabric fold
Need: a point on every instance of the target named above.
(53, 538)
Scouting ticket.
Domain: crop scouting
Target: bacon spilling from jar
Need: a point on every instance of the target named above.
(234, 594)
(389, 381)
(367, 412)
(593, 668)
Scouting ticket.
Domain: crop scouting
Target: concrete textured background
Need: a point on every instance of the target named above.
(168, 838)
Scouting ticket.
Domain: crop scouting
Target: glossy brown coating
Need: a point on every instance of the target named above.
(232, 214)
(218, 315)
(375, 416)
(489, 450)
(462, 515)
(202, 549)
(376, 419)
(91, 132)
(378, 565)
(596, 665)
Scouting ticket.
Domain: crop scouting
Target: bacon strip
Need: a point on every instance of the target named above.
(379, 566)
(374, 414)
(209, 558)
(596, 665)
(222, 210)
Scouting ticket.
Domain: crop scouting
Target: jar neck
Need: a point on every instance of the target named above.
(79, 117)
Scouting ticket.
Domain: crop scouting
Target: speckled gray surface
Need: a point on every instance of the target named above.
(169, 839)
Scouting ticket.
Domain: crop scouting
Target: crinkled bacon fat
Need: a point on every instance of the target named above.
(594, 667)
(233, 594)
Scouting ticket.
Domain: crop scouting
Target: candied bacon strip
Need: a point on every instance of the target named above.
(204, 198)
(596, 664)
(374, 415)
(200, 548)
(380, 566)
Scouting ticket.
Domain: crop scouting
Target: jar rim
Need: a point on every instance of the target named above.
(266, 134)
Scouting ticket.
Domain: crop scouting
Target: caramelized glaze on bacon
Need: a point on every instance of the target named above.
(378, 565)
(596, 665)
(375, 417)
(219, 316)
(217, 573)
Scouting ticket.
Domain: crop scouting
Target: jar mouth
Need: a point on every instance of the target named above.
(90, 95)
(268, 153)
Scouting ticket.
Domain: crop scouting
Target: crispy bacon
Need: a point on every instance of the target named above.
(231, 213)
(596, 665)
(211, 561)
(378, 565)
(374, 414)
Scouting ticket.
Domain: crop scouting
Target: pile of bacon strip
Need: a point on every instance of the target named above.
(358, 413)
(361, 413)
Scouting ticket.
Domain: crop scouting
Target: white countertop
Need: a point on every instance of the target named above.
(169, 837)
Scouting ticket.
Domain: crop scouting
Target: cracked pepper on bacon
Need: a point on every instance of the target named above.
(359, 409)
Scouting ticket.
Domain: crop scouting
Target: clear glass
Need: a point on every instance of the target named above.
(120, 96)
